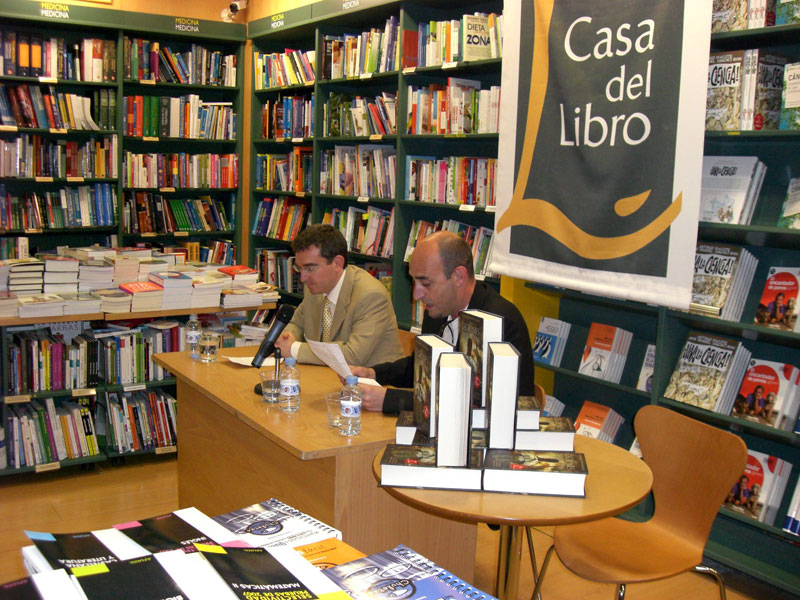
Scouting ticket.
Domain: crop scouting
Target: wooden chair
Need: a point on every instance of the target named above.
(406, 341)
(694, 468)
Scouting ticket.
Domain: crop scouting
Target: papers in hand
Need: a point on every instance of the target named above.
(331, 355)
(247, 361)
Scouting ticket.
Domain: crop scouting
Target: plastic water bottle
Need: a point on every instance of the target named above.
(350, 412)
(289, 381)
(193, 329)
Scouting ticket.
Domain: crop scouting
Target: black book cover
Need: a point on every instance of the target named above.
(137, 579)
(21, 589)
(70, 550)
(164, 532)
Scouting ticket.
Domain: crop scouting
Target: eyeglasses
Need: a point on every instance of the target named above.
(305, 268)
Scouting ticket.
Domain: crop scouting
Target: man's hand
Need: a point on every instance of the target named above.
(284, 342)
(372, 397)
(367, 372)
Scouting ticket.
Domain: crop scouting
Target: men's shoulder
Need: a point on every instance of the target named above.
(484, 297)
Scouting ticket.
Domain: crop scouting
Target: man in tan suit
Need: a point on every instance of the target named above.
(342, 304)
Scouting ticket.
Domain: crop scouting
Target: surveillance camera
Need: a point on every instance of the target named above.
(227, 15)
(238, 5)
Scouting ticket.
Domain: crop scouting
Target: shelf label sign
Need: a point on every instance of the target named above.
(187, 24)
(602, 122)
(54, 10)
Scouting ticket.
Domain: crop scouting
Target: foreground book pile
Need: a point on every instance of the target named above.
(270, 551)
(479, 435)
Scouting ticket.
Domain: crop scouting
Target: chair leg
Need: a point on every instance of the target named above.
(715, 574)
(537, 588)
(620, 591)
(532, 552)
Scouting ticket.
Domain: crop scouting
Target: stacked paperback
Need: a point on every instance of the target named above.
(145, 295)
(759, 491)
(778, 307)
(551, 339)
(722, 277)
(240, 298)
(80, 303)
(598, 421)
(95, 274)
(60, 274)
(113, 300)
(730, 188)
(8, 304)
(709, 371)
(605, 352)
(769, 394)
(242, 275)
(40, 305)
(177, 288)
(26, 276)
(206, 289)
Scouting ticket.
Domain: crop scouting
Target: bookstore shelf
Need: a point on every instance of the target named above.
(52, 466)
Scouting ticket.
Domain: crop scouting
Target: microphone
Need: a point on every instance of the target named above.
(279, 323)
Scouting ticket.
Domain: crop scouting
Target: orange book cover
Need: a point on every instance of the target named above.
(234, 270)
(136, 287)
(329, 553)
(592, 415)
(597, 353)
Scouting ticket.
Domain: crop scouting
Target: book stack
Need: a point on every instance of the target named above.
(206, 289)
(126, 269)
(95, 274)
(722, 277)
(177, 288)
(60, 274)
(26, 276)
(759, 492)
(113, 300)
(769, 394)
(150, 265)
(240, 298)
(709, 372)
(145, 295)
(140, 420)
(241, 275)
(730, 188)
(790, 211)
(780, 304)
(551, 339)
(605, 352)
(40, 305)
(598, 421)
(80, 303)
(95, 252)
(553, 407)
(791, 523)
(8, 304)
(269, 293)
(553, 433)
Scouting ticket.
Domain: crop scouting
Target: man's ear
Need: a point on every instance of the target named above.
(338, 260)
(459, 275)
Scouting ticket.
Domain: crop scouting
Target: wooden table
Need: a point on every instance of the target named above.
(234, 450)
(617, 480)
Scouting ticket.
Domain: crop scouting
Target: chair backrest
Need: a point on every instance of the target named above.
(406, 341)
(694, 468)
(538, 393)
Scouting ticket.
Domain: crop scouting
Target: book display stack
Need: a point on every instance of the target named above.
(241, 275)
(113, 300)
(730, 188)
(26, 276)
(40, 305)
(8, 304)
(80, 303)
(779, 305)
(60, 274)
(126, 268)
(709, 372)
(759, 492)
(150, 265)
(95, 275)
(240, 298)
(769, 394)
(598, 421)
(605, 352)
(723, 274)
(176, 286)
(145, 295)
(550, 341)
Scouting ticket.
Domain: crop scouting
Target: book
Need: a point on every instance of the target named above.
(475, 40)
(769, 394)
(71, 550)
(405, 428)
(605, 352)
(722, 276)
(476, 328)
(759, 491)
(502, 374)
(328, 553)
(530, 472)
(163, 532)
(762, 90)
(729, 15)
(142, 578)
(453, 401)
(708, 372)
(598, 421)
(790, 97)
(415, 466)
(269, 524)
(724, 99)
(778, 307)
(529, 412)
(554, 433)
(791, 524)
(787, 12)
(42, 586)
(550, 341)
(729, 186)
(645, 380)
(790, 211)
(427, 349)
(400, 572)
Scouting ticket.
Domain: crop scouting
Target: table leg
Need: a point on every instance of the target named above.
(508, 561)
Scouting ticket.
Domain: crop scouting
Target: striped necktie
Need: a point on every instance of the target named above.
(327, 320)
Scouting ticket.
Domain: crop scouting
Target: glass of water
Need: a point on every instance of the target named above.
(208, 345)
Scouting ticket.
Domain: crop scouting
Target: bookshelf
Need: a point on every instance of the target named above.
(764, 551)
(383, 144)
(99, 179)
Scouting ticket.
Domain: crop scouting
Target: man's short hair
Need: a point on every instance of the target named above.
(455, 252)
(328, 239)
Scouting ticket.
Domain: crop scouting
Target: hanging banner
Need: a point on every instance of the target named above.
(601, 145)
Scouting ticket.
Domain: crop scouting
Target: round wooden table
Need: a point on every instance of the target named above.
(617, 480)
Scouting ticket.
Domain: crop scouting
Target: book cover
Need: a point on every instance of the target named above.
(139, 287)
(790, 211)
(415, 466)
(597, 357)
(475, 37)
(778, 307)
(724, 188)
(714, 268)
(164, 532)
(750, 493)
(767, 392)
(729, 15)
(790, 97)
(645, 381)
(329, 553)
(701, 370)
(427, 349)
(724, 100)
(787, 12)
(476, 328)
(70, 550)
(141, 578)
(532, 472)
